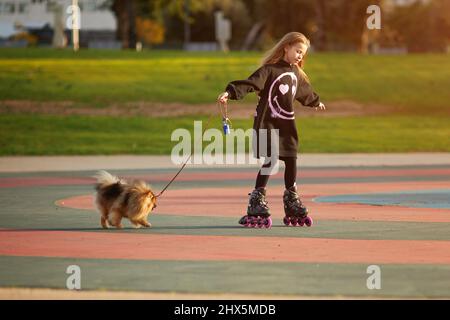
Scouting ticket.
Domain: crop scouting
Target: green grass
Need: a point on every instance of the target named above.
(417, 83)
(60, 135)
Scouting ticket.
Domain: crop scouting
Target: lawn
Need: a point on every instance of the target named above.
(60, 135)
(418, 83)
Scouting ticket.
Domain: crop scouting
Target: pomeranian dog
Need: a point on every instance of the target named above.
(117, 199)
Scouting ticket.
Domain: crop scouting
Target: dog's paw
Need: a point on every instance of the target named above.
(104, 223)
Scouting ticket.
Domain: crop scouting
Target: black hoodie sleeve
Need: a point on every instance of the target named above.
(239, 88)
(305, 94)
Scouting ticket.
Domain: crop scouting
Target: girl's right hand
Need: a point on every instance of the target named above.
(321, 106)
(223, 97)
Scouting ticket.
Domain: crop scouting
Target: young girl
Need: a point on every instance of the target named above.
(280, 80)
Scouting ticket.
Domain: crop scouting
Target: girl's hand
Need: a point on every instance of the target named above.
(321, 106)
(223, 97)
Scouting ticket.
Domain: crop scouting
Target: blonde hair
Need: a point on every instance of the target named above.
(277, 52)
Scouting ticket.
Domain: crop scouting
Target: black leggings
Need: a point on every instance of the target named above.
(290, 173)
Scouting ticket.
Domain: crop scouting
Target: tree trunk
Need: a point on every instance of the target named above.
(321, 38)
(125, 12)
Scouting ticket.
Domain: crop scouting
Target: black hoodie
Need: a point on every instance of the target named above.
(279, 85)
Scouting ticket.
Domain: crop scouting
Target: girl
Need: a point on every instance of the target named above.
(280, 80)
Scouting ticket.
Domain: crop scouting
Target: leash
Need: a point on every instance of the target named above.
(226, 125)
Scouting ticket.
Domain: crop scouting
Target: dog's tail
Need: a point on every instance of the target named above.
(105, 178)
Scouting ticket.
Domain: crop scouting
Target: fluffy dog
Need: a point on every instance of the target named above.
(117, 199)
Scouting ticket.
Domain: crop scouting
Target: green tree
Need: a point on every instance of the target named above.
(331, 24)
(344, 23)
(126, 12)
(422, 26)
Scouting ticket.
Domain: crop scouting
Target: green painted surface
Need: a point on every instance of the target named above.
(227, 277)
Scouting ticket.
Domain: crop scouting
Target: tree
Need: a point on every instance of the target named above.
(422, 26)
(200, 19)
(125, 12)
(284, 16)
(331, 24)
(149, 31)
(344, 23)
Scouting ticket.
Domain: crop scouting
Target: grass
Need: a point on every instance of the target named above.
(417, 83)
(60, 135)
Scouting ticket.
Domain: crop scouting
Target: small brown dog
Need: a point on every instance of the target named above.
(117, 199)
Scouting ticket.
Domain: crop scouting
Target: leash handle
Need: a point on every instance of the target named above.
(226, 122)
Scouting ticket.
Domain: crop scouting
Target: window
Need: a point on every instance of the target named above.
(23, 7)
(8, 8)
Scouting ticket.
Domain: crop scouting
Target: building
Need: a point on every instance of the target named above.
(390, 4)
(97, 21)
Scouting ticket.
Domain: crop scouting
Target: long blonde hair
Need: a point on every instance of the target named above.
(277, 52)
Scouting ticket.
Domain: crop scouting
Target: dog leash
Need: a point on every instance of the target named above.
(226, 126)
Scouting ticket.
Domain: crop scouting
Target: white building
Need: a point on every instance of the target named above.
(390, 4)
(39, 13)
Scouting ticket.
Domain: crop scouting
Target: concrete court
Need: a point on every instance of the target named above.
(392, 211)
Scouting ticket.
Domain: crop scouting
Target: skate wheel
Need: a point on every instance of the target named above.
(301, 222)
(308, 221)
(286, 221)
(260, 222)
(253, 222)
(268, 222)
(294, 221)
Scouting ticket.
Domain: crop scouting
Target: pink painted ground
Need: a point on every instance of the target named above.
(183, 247)
(227, 176)
(231, 202)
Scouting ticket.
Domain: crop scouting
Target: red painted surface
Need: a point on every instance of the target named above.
(319, 173)
(42, 181)
(109, 245)
(231, 202)
(229, 176)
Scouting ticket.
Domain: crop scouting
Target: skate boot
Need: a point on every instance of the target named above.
(296, 213)
(258, 215)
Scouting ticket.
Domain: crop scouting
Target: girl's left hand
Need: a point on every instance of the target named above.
(321, 106)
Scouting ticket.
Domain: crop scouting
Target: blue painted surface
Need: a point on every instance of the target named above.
(436, 198)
